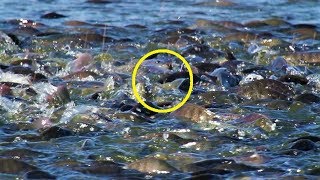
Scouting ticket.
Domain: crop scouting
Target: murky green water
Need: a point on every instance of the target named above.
(68, 112)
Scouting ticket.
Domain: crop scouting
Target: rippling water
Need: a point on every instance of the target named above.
(150, 13)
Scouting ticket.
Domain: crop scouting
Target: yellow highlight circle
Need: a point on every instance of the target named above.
(135, 71)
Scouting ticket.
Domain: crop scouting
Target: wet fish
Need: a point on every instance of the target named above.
(152, 165)
(311, 58)
(53, 15)
(266, 88)
(194, 113)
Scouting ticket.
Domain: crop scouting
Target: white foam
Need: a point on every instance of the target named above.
(14, 78)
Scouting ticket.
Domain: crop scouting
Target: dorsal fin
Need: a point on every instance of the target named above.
(229, 56)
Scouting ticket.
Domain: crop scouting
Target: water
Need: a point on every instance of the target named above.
(150, 13)
(102, 122)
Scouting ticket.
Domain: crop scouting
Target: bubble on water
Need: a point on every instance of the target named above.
(72, 110)
(109, 83)
(181, 130)
(14, 78)
(165, 136)
(126, 130)
(241, 133)
(189, 145)
(43, 89)
(295, 71)
(13, 107)
(314, 79)
(17, 139)
(251, 77)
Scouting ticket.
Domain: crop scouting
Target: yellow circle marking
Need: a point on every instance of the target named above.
(135, 71)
